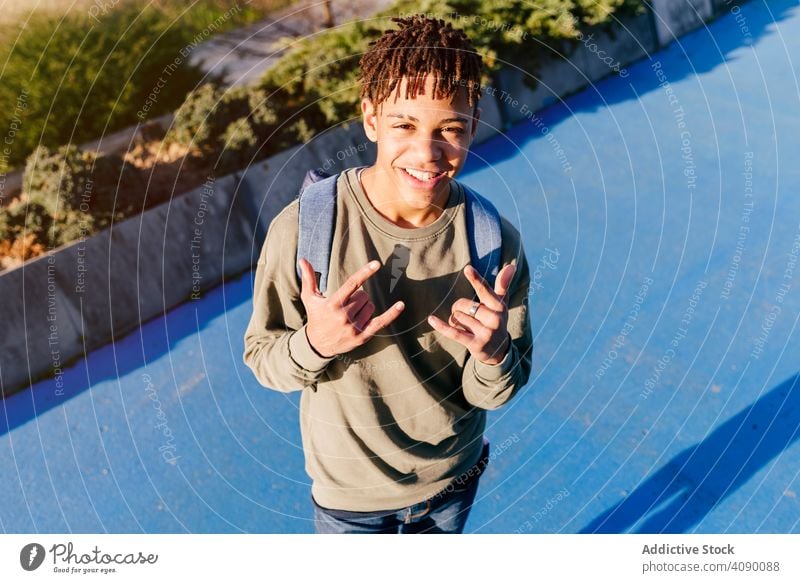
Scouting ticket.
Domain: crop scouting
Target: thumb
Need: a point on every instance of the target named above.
(504, 280)
(309, 279)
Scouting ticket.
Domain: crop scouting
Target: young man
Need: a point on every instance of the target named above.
(401, 357)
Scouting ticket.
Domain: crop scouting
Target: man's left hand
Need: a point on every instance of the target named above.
(485, 333)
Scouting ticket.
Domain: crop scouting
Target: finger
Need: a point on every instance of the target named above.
(503, 281)
(380, 322)
(360, 320)
(484, 319)
(485, 293)
(354, 282)
(462, 337)
(354, 311)
(464, 306)
(355, 304)
(465, 322)
(452, 321)
(308, 279)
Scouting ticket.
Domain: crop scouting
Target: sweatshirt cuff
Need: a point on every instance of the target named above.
(493, 372)
(303, 354)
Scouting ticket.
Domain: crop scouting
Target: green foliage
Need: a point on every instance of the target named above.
(194, 119)
(85, 75)
(316, 80)
(239, 145)
(56, 179)
(236, 124)
(32, 219)
(21, 218)
(79, 186)
(319, 76)
(206, 114)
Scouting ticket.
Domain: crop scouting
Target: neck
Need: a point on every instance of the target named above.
(377, 185)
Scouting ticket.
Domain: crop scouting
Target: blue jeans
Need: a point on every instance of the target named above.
(443, 513)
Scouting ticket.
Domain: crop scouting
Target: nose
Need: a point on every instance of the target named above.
(427, 149)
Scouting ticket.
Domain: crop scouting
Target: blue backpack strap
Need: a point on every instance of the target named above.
(484, 234)
(317, 222)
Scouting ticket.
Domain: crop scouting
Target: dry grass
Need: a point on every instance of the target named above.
(13, 11)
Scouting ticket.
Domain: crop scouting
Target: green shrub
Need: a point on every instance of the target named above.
(206, 113)
(239, 145)
(234, 125)
(33, 222)
(70, 183)
(317, 79)
(76, 78)
(27, 217)
(315, 86)
(193, 121)
(56, 179)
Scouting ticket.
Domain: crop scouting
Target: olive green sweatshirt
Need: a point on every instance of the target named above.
(394, 421)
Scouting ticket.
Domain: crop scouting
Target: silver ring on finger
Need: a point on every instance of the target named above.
(474, 309)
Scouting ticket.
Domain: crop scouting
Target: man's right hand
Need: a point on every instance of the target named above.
(340, 323)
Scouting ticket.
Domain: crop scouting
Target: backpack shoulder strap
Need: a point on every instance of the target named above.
(317, 222)
(484, 234)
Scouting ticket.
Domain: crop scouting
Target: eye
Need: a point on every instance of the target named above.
(403, 126)
(454, 130)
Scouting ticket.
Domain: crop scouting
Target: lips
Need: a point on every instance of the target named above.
(419, 179)
(423, 175)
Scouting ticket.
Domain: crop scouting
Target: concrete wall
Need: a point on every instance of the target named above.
(594, 56)
(84, 295)
(77, 298)
(675, 18)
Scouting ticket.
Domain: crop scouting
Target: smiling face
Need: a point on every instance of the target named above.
(422, 144)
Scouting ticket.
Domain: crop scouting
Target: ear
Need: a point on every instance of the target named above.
(370, 119)
(475, 119)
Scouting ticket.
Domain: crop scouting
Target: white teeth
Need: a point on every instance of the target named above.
(425, 176)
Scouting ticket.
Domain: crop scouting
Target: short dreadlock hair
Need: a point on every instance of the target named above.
(421, 46)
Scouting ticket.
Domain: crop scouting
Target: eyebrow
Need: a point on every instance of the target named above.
(412, 118)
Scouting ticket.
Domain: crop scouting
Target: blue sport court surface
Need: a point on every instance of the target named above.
(661, 220)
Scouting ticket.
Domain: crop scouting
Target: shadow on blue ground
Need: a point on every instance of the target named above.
(153, 340)
(681, 493)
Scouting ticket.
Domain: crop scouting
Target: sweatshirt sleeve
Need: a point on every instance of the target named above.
(276, 346)
(489, 386)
